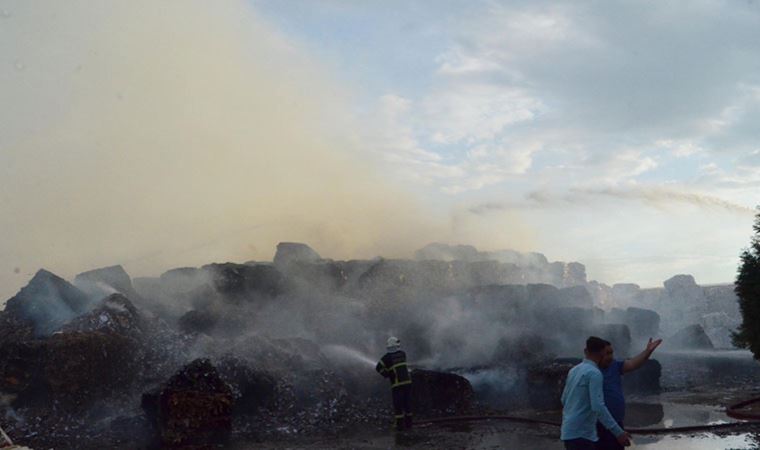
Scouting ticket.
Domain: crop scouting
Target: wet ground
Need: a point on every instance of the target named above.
(668, 410)
(697, 386)
(497, 435)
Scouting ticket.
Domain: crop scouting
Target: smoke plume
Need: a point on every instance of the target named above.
(158, 134)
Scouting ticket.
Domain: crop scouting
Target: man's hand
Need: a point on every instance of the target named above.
(624, 439)
(639, 360)
(652, 345)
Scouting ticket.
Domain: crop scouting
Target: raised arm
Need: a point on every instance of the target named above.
(639, 360)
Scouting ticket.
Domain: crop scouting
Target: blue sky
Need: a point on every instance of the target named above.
(639, 120)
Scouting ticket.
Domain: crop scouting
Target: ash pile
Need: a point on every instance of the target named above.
(201, 357)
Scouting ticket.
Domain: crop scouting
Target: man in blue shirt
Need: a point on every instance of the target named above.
(583, 400)
(613, 392)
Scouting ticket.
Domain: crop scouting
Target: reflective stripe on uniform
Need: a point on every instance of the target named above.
(399, 383)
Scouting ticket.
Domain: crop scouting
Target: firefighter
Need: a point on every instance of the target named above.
(393, 366)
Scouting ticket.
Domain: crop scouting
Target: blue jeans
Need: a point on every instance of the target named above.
(579, 444)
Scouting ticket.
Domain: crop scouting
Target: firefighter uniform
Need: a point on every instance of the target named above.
(393, 366)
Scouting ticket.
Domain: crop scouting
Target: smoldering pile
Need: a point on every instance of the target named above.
(260, 351)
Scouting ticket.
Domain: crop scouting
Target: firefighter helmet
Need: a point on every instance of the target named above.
(393, 342)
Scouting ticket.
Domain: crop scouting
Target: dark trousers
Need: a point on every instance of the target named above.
(580, 444)
(402, 406)
(607, 441)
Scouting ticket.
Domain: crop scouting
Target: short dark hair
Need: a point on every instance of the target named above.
(595, 344)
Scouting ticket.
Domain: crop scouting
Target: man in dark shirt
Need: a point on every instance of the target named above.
(613, 392)
(393, 366)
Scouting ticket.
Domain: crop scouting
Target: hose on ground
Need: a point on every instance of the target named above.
(732, 411)
(5, 438)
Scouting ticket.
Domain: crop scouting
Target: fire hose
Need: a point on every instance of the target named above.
(733, 411)
(5, 437)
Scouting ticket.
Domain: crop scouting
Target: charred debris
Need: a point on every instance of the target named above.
(201, 356)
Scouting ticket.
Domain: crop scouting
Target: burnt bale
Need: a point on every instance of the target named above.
(115, 314)
(104, 281)
(619, 336)
(524, 349)
(544, 296)
(73, 370)
(14, 329)
(251, 389)
(196, 321)
(644, 323)
(47, 302)
(445, 252)
(149, 405)
(546, 381)
(102, 345)
(183, 279)
(83, 367)
(577, 296)
(291, 252)
(440, 394)
(322, 275)
(195, 408)
(572, 319)
(574, 274)
(645, 380)
(683, 288)
(692, 337)
(19, 366)
(241, 283)
(175, 291)
(384, 274)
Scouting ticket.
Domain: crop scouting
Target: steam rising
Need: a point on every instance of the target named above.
(175, 133)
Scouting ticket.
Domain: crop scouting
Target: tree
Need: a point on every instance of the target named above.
(747, 288)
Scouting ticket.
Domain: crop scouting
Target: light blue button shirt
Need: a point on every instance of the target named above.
(583, 404)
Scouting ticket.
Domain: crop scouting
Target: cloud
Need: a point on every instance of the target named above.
(750, 162)
(659, 198)
(609, 92)
(680, 148)
(475, 112)
(585, 122)
(503, 34)
(484, 163)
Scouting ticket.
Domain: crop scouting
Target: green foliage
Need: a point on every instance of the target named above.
(747, 288)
